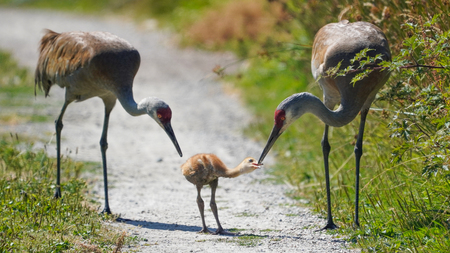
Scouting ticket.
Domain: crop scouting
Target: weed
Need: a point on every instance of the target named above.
(31, 219)
(249, 240)
(246, 214)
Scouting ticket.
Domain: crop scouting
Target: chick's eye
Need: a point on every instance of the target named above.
(250, 160)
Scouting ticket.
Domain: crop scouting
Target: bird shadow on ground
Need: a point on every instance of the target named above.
(159, 225)
(174, 227)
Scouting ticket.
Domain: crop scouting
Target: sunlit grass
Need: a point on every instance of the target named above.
(17, 94)
(400, 205)
(32, 220)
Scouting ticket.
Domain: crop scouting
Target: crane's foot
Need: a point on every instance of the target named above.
(119, 219)
(205, 231)
(223, 232)
(106, 210)
(57, 194)
(329, 226)
(356, 225)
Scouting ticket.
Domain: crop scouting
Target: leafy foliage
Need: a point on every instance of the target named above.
(405, 173)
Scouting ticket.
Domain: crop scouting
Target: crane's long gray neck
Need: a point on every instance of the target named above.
(301, 103)
(131, 106)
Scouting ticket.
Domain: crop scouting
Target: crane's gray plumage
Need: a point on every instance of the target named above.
(333, 44)
(95, 64)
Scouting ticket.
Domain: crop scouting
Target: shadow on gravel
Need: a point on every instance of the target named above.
(158, 225)
(173, 227)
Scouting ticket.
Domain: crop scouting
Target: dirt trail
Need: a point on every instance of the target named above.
(146, 185)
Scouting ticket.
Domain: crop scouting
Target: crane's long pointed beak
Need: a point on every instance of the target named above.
(171, 134)
(272, 138)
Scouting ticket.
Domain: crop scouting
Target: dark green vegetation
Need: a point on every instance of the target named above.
(16, 93)
(405, 187)
(31, 219)
(405, 201)
(405, 166)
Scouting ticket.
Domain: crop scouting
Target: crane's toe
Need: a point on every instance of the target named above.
(223, 232)
(329, 226)
(106, 210)
(57, 194)
(205, 231)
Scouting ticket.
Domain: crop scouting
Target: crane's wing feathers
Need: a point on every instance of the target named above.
(59, 55)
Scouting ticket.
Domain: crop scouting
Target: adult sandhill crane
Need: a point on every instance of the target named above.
(95, 64)
(334, 43)
(203, 169)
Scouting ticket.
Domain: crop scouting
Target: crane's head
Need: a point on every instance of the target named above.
(289, 110)
(162, 114)
(279, 126)
(248, 165)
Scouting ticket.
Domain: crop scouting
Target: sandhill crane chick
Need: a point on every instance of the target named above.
(203, 169)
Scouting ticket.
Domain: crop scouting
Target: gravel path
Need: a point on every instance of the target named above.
(146, 185)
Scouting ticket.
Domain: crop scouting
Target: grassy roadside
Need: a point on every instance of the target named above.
(31, 220)
(405, 180)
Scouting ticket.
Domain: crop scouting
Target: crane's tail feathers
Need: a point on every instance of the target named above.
(60, 54)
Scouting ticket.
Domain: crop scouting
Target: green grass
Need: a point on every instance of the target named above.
(73, 5)
(400, 205)
(248, 240)
(32, 220)
(245, 240)
(17, 94)
(405, 203)
(170, 13)
(245, 214)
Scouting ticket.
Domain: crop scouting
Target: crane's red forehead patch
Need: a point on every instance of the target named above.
(280, 116)
(164, 114)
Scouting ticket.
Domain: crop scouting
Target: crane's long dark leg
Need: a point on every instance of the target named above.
(326, 151)
(59, 127)
(103, 148)
(213, 206)
(201, 208)
(358, 154)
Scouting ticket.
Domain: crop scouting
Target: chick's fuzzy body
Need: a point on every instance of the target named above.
(202, 169)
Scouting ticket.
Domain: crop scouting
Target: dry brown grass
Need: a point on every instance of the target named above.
(237, 20)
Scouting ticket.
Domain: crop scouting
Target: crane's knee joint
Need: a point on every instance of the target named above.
(103, 144)
(358, 151)
(59, 125)
(325, 146)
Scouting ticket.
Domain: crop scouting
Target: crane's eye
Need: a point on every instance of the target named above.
(164, 114)
(280, 117)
